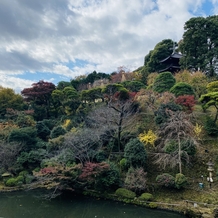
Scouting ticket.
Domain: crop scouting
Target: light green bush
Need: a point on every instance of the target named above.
(125, 193)
(146, 197)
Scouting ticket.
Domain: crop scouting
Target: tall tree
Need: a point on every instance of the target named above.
(152, 60)
(9, 99)
(178, 129)
(200, 45)
(39, 97)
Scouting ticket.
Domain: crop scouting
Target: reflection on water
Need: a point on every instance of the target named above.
(28, 205)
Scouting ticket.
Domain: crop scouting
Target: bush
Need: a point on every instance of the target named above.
(164, 82)
(136, 179)
(57, 131)
(135, 154)
(211, 127)
(152, 205)
(182, 88)
(11, 182)
(123, 164)
(146, 197)
(125, 193)
(180, 180)
(166, 180)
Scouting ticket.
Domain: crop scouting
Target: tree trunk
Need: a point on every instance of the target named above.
(179, 153)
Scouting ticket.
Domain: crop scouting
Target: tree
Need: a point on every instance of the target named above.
(210, 99)
(162, 50)
(135, 154)
(187, 102)
(84, 144)
(39, 98)
(178, 128)
(8, 99)
(8, 155)
(200, 45)
(133, 86)
(164, 82)
(116, 116)
(66, 101)
(182, 88)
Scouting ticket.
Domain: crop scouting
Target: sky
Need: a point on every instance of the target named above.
(58, 40)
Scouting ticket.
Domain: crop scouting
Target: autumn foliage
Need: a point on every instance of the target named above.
(187, 102)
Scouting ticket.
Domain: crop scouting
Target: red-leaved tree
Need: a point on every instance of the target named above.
(187, 102)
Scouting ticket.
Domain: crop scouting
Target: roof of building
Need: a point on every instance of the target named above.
(173, 55)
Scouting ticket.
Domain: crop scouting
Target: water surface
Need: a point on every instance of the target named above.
(31, 205)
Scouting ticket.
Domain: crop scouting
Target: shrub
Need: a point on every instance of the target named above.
(57, 131)
(211, 127)
(164, 82)
(182, 88)
(11, 182)
(123, 164)
(136, 179)
(125, 193)
(152, 205)
(180, 180)
(146, 197)
(166, 180)
(135, 153)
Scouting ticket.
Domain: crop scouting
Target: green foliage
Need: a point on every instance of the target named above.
(108, 179)
(43, 131)
(165, 180)
(152, 205)
(31, 159)
(57, 131)
(199, 44)
(152, 60)
(125, 193)
(11, 182)
(180, 180)
(211, 127)
(182, 88)
(26, 136)
(145, 197)
(164, 82)
(135, 153)
(123, 164)
(186, 145)
(8, 99)
(162, 114)
(133, 86)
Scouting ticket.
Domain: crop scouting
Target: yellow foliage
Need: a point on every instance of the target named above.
(66, 123)
(198, 130)
(148, 138)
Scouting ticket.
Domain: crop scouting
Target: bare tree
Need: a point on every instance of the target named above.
(8, 154)
(113, 119)
(178, 128)
(84, 144)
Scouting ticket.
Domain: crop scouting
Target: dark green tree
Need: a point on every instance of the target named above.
(135, 154)
(200, 45)
(164, 82)
(152, 60)
(182, 88)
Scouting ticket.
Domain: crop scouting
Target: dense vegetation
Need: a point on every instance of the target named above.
(136, 130)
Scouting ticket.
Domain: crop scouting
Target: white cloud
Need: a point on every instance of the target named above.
(40, 36)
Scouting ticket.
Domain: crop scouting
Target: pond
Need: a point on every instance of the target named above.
(31, 205)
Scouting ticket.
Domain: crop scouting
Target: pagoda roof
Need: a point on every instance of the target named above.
(173, 55)
(171, 68)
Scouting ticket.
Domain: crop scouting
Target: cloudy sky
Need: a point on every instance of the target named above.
(57, 40)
